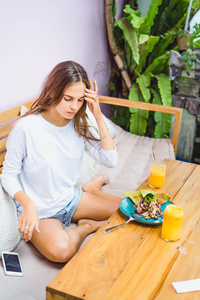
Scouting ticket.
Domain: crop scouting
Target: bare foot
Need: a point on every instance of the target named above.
(95, 184)
(92, 224)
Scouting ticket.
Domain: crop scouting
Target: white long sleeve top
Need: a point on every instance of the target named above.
(45, 161)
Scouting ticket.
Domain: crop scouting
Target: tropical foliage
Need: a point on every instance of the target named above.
(146, 58)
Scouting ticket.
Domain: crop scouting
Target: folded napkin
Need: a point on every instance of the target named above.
(187, 286)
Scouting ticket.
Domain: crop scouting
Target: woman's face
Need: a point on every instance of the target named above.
(72, 100)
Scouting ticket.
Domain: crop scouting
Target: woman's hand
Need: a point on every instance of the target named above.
(107, 142)
(29, 219)
(93, 101)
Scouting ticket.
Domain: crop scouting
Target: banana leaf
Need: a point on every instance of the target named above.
(197, 44)
(163, 125)
(135, 94)
(131, 36)
(114, 9)
(168, 14)
(144, 82)
(141, 23)
(128, 54)
(128, 10)
(161, 47)
(145, 28)
(143, 38)
(153, 10)
(130, 62)
(164, 85)
(145, 49)
(134, 17)
(146, 58)
(159, 64)
(165, 43)
(138, 120)
(163, 120)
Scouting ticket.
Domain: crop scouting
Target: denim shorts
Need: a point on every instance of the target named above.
(65, 214)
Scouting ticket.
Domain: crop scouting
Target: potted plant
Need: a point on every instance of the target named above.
(185, 38)
(188, 43)
(182, 38)
(183, 35)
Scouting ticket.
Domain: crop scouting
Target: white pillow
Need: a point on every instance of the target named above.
(9, 234)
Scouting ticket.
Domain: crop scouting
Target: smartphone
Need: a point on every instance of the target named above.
(11, 263)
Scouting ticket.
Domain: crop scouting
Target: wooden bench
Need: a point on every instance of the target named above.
(7, 118)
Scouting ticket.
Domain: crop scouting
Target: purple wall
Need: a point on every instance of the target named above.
(36, 35)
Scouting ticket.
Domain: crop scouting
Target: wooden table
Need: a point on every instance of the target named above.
(134, 262)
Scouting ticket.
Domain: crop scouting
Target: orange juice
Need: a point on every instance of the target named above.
(157, 174)
(172, 223)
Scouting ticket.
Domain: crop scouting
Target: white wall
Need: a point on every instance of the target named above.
(143, 6)
(35, 35)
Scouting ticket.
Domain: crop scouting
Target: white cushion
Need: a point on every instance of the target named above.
(9, 234)
(134, 160)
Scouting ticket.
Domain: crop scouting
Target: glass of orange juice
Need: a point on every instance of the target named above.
(172, 223)
(157, 173)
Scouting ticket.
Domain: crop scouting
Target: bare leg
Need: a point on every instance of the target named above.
(95, 207)
(94, 187)
(58, 245)
(92, 211)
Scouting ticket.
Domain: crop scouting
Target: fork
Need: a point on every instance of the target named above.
(131, 218)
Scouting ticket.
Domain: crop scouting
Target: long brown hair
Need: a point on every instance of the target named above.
(63, 75)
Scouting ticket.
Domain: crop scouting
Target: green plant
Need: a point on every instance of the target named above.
(184, 32)
(189, 58)
(193, 41)
(145, 57)
(178, 32)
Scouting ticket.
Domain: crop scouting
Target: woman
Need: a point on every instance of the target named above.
(43, 162)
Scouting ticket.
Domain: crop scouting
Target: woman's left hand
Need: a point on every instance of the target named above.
(93, 101)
